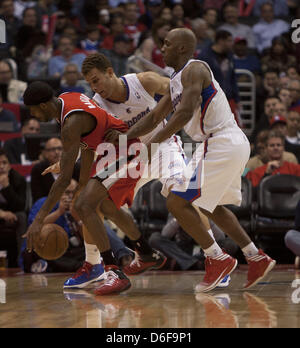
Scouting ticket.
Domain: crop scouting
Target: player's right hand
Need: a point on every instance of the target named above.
(112, 136)
(55, 169)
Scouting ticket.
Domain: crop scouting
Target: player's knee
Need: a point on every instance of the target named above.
(82, 207)
(174, 204)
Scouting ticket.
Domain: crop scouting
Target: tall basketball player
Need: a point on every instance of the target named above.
(213, 176)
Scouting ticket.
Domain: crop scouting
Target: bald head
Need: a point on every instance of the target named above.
(186, 38)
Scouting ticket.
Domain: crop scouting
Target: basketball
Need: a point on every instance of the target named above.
(54, 242)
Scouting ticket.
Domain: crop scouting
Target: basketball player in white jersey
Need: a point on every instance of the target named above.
(213, 176)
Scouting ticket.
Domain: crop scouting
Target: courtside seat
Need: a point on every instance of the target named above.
(278, 196)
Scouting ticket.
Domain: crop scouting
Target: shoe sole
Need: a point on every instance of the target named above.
(83, 285)
(268, 269)
(224, 285)
(216, 283)
(114, 292)
(149, 268)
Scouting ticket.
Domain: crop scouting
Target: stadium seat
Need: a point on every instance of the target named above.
(277, 196)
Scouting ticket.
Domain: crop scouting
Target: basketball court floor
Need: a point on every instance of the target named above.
(156, 300)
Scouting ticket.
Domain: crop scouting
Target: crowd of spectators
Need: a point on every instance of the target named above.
(49, 39)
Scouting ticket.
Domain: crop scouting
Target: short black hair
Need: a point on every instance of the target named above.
(222, 35)
(37, 92)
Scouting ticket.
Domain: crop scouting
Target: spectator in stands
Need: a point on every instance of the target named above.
(199, 27)
(283, 80)
(12, 209)
(275, 164)
(15, 148)
(8, 117)
(116, 28)
(150, 47)
(210, 15)
(217, 4)
(12, 24)
(71, 81)
(62, 21)
(57, 64)
(293, 127)
(285, 97)
(260, 158)
(41, 185)
(265, 118)
(292, 238)
(294, 88)
(45, 9)
(21, 5)
(231, 17)
(119, 54)
(280, 7)
(178, 15)
(37, 62)
(268, 28)
(12, 90)
(153, 9)
(293, 72)
(292, 136)
(270, 85)
(219, 58)
(277, 57)
(243, 59)
(132, 27)
(91, 43)
(280, 109)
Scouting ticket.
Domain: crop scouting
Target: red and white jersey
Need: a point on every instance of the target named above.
(213, 113)
(77, 102)
(138, 104)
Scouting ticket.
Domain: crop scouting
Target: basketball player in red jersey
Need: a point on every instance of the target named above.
(83, 122)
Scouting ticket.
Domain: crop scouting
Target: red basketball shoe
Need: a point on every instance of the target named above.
(216, 269)
(259, 266)
(115, 282)
(142, 263)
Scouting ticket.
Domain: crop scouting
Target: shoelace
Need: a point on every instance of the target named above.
(110, 278)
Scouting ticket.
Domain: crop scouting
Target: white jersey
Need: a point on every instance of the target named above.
(138, 104)
(212, 115)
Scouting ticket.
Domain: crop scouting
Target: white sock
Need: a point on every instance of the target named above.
(211, 234)
(213, 251)
(250, 250)
(92, 254)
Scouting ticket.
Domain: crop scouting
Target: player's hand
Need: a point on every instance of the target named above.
(55, 169)
(33, 235)
(112, 136)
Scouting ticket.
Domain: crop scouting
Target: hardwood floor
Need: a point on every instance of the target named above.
(155, 300)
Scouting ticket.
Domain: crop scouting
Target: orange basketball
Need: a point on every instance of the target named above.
(54, 242)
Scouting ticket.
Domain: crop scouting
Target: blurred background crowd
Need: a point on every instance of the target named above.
(252, 49)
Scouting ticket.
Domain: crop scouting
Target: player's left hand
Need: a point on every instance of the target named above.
(55, 169)
(112, 136)
(33, 235)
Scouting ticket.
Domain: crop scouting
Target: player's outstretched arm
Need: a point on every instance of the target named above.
(152, 120)
(192, 81)
(71, 142)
